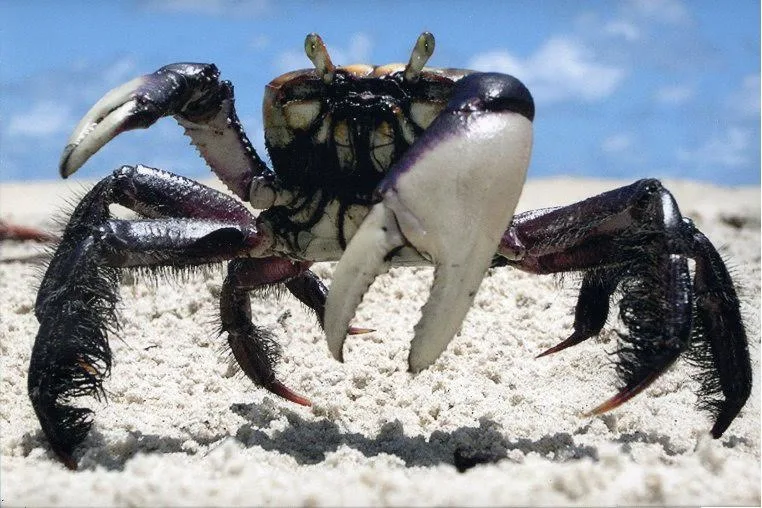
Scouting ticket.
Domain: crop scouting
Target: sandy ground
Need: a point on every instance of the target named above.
(182, 428)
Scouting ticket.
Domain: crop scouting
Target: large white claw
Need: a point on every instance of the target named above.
(451, 197)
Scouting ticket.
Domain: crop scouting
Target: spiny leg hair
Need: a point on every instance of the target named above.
(189, 225)
(635, 241)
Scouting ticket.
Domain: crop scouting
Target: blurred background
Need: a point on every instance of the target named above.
(623, 89)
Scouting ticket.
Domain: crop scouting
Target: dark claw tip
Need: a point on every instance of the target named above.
(573, 340)
(287, 393)
(62, 165)
(359, 331)
(625, 394)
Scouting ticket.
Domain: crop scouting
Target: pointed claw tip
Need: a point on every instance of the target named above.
(554, 349)
(287, 393)
(612, 403)
(63, 166)
(625, 394)
(336, 346)
(574, 339)
(359, 331)
(335, 343)
(414, 368)
(596, 411)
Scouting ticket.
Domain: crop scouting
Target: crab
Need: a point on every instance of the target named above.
(373, 166)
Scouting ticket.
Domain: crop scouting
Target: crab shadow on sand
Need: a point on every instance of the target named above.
(309, 441)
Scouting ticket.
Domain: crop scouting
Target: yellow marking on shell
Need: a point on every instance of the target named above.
(358, 70)
(388, 69)
(424, 112)
(382, 147)
(301, 114)
(449, 73)
(343, 142)
(285, 79)
(321, 135)
(341, 133)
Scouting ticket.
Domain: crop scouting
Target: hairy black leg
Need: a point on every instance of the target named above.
(592, 307)
(77, 298)
(253, 347)
(311, 291)
(720, 348)
(657, 310)
(638, 235)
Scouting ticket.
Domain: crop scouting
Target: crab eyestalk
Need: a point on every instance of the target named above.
(422, 51)
(316, 51)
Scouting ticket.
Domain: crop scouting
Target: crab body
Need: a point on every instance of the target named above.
(374, 167)
(332, 143)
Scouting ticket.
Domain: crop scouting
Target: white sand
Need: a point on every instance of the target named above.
(181, 428)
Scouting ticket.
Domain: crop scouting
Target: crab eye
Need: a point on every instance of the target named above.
(316, 51)
(422, 51)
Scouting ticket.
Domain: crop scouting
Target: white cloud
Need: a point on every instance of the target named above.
(210, 7)
(561, 69)
(624, 29)
(617, 143)
(119, 71)
(731, 150)
(357, 51)
(259, 42)
(746, 101)
(664, 11)
(674, 94)
(646, 34)
(43, 119)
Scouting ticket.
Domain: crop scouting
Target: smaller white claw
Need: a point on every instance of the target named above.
(99, 126)
(363, 260)
(91, 135)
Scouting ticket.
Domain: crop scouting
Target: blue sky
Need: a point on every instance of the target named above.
(624, 89)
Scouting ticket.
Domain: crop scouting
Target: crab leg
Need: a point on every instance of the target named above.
(310, 290)
(451, 197)
(592, 307)
(253, 348)
(188, 225)
(635, 238)
(199, 101)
